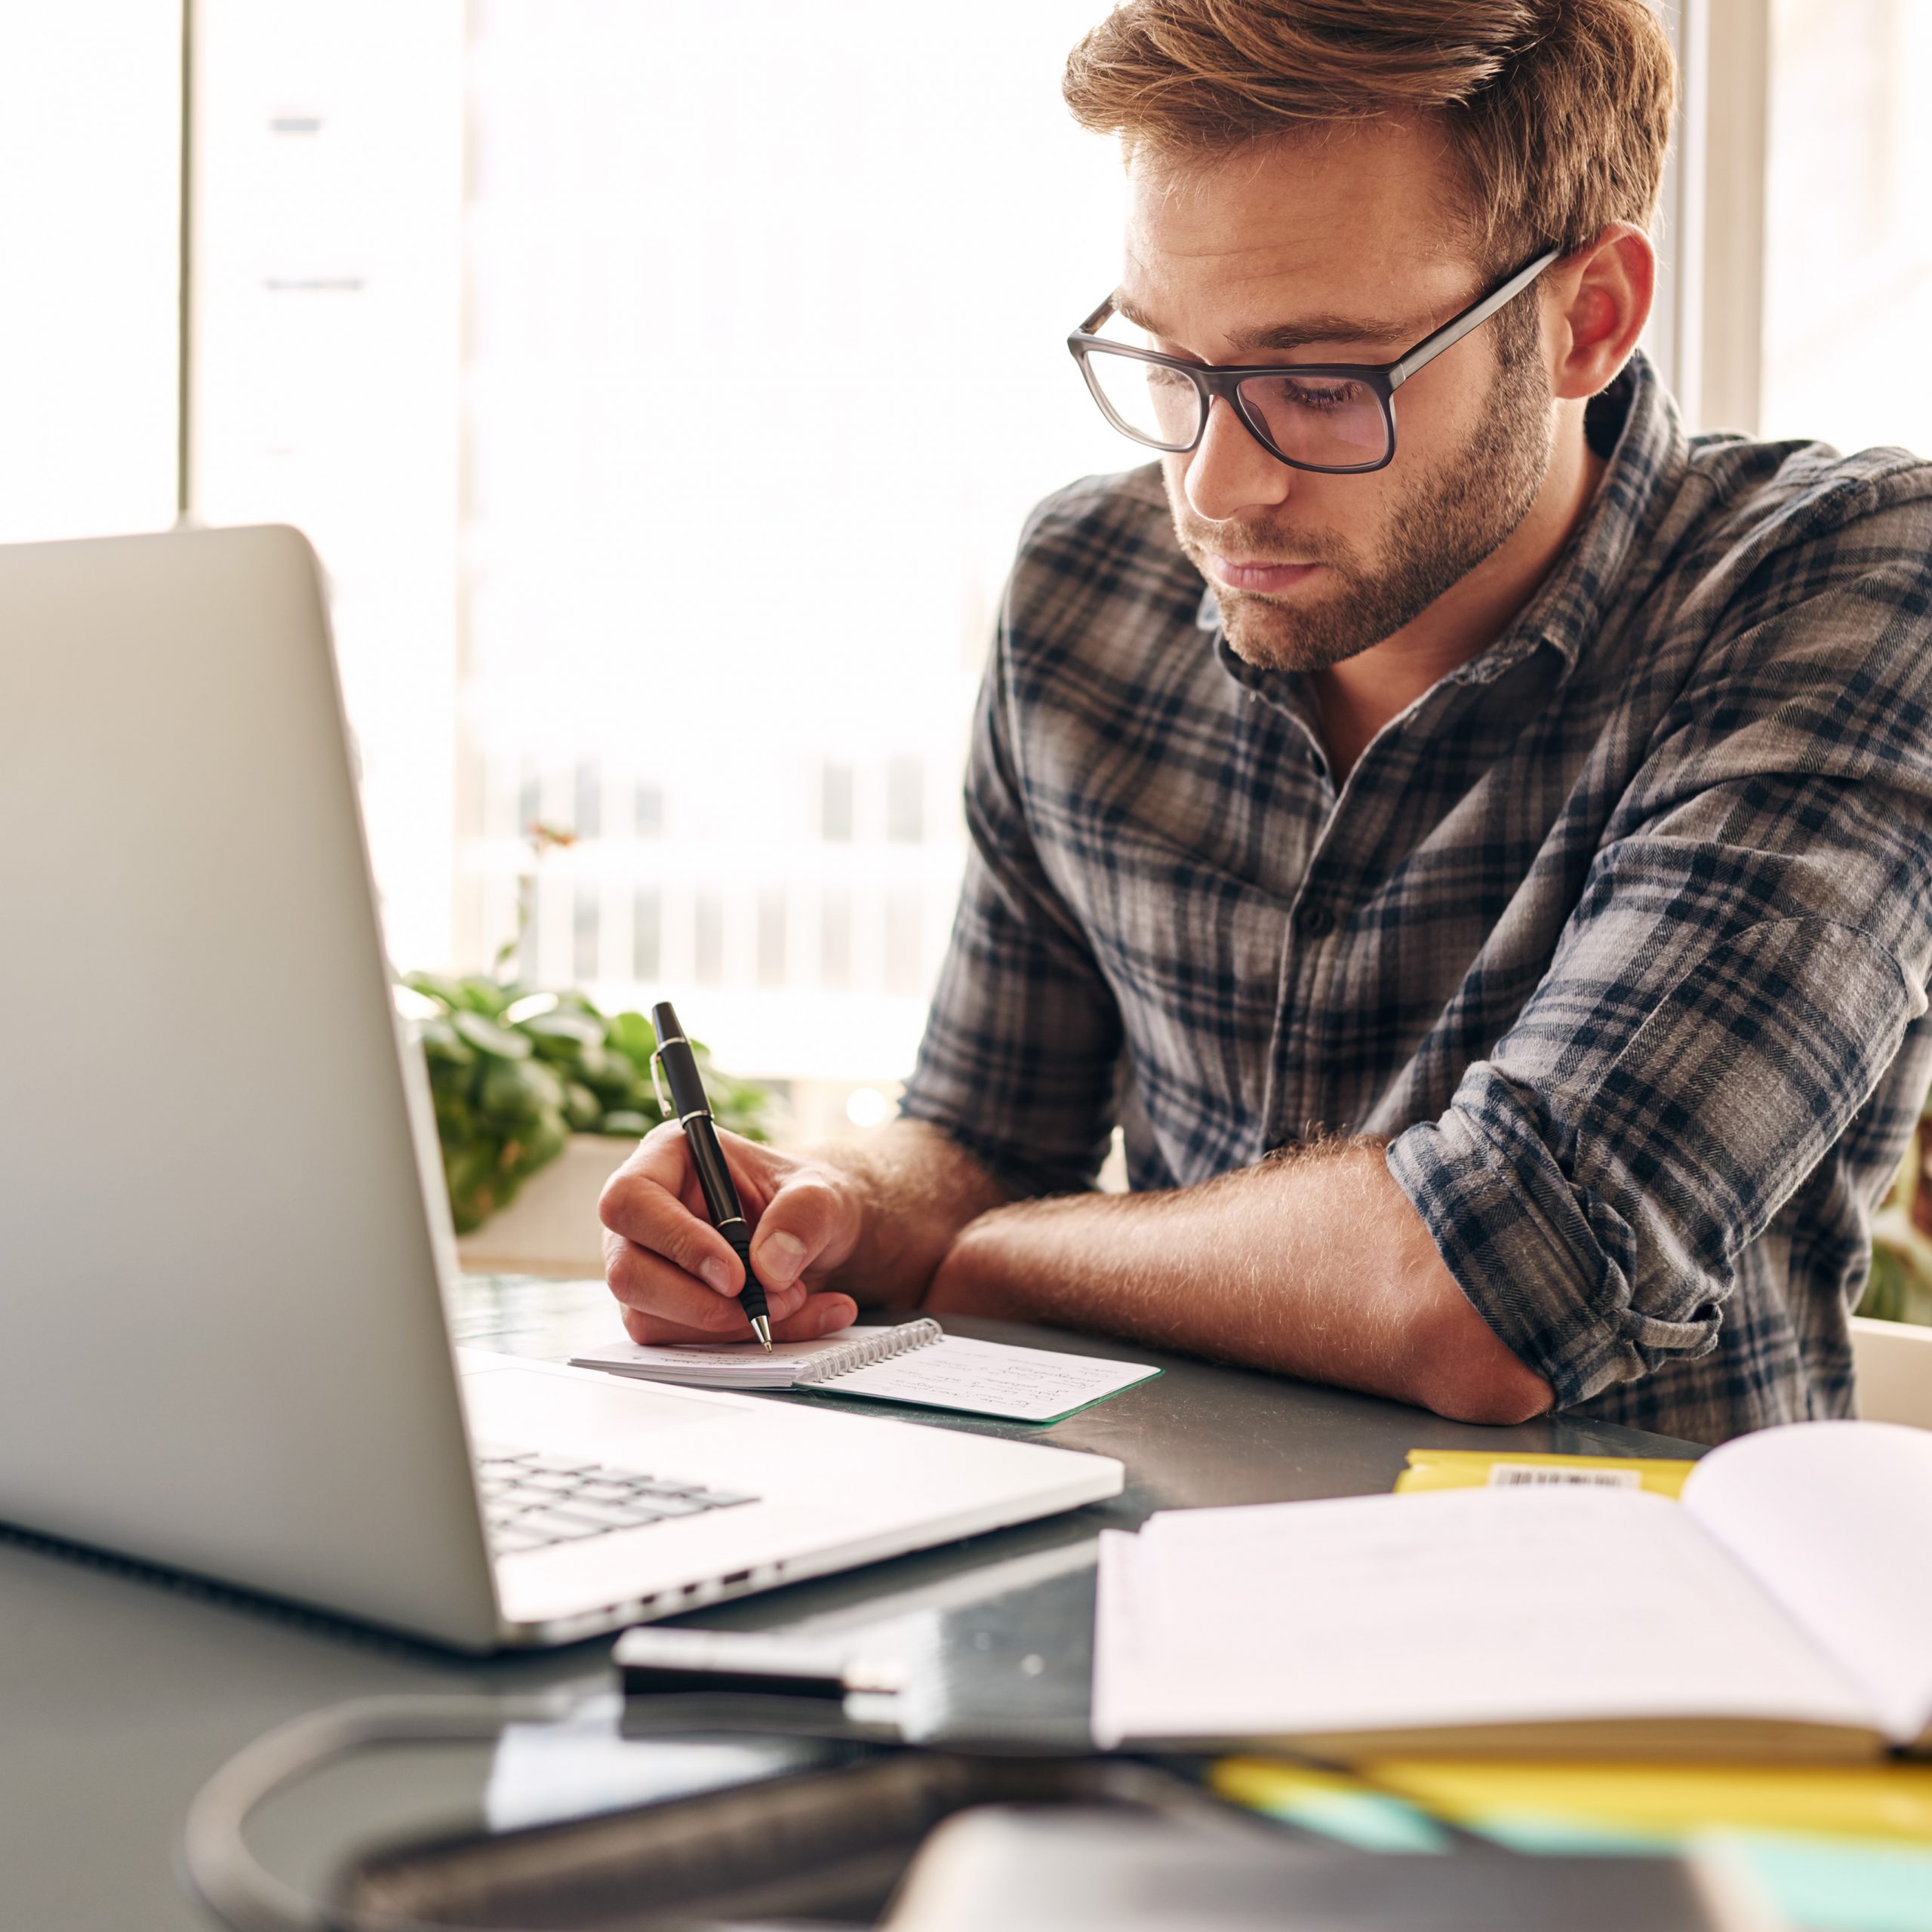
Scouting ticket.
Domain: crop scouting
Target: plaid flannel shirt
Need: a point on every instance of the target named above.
(1620, 934)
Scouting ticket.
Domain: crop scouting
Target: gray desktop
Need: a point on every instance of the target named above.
(269, 1344)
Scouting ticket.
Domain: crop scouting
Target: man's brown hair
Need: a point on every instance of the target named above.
(1559, 111)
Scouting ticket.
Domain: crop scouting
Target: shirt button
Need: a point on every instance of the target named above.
(1316, 920)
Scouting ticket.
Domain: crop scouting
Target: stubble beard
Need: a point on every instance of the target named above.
(1442, 526)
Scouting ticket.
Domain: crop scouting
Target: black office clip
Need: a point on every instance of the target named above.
(654, 1662)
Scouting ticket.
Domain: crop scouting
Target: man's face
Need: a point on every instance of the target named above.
(1338, 246)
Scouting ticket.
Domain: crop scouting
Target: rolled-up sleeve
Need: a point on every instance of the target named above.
(1748, 950)
(1022, 1046)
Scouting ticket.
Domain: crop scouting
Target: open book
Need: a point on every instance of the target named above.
(916, 1362)
(1782, 1607)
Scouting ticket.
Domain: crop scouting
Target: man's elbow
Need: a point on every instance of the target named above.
(1466, 1373)
(1482, 1396)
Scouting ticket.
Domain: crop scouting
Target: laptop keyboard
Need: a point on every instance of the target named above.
(531, 1500)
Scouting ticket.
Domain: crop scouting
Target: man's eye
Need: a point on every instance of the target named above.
(1320, 394)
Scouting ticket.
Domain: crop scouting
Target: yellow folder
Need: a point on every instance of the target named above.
(1470, 1468)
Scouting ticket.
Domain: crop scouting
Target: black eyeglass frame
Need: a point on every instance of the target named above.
(1210, 381)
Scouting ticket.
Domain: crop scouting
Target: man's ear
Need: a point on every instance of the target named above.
(1597, 300)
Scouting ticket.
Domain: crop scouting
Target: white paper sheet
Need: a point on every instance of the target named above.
(1834, 1520)
(989, 1379)
(1471, 1607)
(732, 1365)
(947, 1372)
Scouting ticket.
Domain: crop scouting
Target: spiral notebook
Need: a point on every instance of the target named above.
(916, 1362)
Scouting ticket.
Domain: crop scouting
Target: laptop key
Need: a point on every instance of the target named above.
(611, 1516)
(514, 1542)
(559, 1525)
(603, 1489)
(548, 1499)
(556, 1483)
(674, 1505)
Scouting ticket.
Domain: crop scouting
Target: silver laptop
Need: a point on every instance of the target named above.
(225, 1243)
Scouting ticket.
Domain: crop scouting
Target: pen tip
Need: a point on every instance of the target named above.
(761, 1328)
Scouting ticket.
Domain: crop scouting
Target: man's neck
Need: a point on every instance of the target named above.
(1360, 696)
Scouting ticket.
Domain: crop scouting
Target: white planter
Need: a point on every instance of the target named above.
(552, 1227)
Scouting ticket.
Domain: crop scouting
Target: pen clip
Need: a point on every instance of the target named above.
(664, 1106)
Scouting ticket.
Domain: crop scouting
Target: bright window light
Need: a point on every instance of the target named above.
(1848, 223)
(91, 153)
(665, 444)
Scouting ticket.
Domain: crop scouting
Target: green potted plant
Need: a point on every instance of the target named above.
(522, 1077)
(515, 1073)
(1900, 1288)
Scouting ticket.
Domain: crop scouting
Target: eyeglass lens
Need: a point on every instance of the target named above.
(1329, 422)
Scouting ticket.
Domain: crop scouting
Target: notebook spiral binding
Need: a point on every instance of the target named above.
(869, 1349)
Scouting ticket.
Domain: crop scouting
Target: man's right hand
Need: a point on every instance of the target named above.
(674, 1275)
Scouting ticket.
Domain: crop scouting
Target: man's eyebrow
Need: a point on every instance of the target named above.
(1292, 335)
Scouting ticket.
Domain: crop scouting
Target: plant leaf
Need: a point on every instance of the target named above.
(487, 1037)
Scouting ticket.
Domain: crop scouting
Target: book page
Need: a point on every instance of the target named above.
(1467, 1608)
(990, 1379)
(1834, 1521)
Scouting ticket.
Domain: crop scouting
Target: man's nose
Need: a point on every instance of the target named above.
(1229, 472)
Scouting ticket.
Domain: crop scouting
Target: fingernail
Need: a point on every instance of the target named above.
(719, 1274)
(781, 1257)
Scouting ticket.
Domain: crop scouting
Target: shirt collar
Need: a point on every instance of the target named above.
(1635, 425)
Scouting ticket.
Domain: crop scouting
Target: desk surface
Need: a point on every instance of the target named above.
(120, 1690)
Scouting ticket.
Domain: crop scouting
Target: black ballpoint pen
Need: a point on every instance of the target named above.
(688, 1102)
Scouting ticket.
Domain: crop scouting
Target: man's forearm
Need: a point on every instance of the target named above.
(918, 1188)
(1314, 1266)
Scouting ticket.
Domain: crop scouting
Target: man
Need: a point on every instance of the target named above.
(1478, 848)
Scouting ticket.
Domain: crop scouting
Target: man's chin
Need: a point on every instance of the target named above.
(1272, 638)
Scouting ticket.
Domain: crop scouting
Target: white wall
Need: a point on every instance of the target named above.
(327, 230)
(89, 159)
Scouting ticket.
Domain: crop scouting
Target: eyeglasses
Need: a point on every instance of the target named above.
(1337, 418)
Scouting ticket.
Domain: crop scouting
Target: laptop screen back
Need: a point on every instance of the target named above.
(223, 1348)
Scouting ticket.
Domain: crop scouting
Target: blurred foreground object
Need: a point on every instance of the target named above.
(1032, 1870)
(1840, 1850)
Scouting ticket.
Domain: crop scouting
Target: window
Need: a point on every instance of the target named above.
(1848, 223)
(326, 388)
(835, 940)
(589, 819)
(548, 344)
(647, 934)
(554, 353)
(90, 150)
(906, 801)
(835, 809)
(771, 923)
(586, 961)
